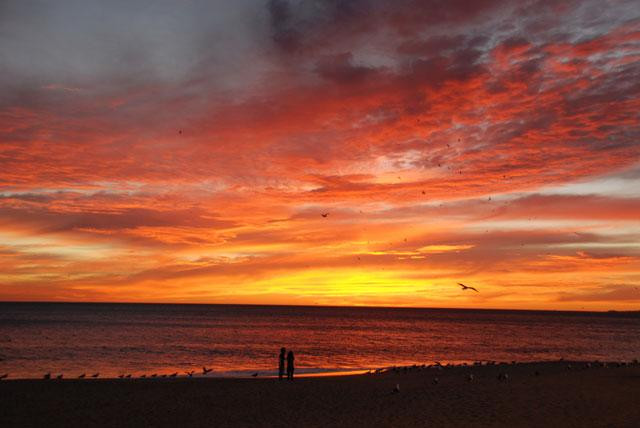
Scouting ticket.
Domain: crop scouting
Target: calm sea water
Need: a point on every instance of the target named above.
(36, 338)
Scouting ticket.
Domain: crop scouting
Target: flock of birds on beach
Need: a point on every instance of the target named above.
(503, 376)
(48, 375)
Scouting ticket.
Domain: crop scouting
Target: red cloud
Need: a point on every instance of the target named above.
(401, 125)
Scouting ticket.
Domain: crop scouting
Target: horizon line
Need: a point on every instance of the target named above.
(319, 306)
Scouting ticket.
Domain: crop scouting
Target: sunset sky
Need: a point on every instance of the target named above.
(185, 151)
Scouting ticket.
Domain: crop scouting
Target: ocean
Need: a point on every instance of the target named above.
(237, 340)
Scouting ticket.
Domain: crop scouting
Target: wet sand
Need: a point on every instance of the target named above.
(556, 397)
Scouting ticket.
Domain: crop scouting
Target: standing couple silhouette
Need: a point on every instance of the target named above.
(289, 357)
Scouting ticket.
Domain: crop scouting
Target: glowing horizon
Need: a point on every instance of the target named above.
(187, 153)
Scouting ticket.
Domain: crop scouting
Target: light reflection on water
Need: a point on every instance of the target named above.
(237, 340)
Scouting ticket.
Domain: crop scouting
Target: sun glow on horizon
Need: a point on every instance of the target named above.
(414, 148)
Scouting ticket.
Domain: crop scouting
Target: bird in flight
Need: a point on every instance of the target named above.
(324, 214)
(95, 375)
(205, 370)
(255, 374)
(82, 376)
(4, 376)
(466, 287)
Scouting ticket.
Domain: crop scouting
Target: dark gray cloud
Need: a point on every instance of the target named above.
(90, 45)
(341, 69)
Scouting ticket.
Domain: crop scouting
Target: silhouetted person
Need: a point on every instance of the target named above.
(290, 367)
(281, 363)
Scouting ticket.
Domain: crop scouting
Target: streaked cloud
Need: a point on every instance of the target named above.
(185, 152)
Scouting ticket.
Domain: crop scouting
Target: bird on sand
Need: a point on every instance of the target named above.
(59, 376)
(154, 375)
(324, 215)
(255, 374)
(47, 376)
(95, 375)
(436, 380)
(466, 287)
(121, 376)
(190, 374)
(82, 376)
(173, 374)
(128, 376)
(4, 376)
(396, 389)
(205, 370)
(143, 376)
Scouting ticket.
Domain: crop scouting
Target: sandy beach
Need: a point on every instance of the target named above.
(559, 394)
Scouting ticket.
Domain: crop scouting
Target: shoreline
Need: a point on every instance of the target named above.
(561, 394)
(167, 376)
(324, 372)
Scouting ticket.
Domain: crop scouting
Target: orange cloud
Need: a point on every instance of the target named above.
(439, 157)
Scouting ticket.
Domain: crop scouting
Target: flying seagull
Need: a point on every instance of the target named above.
(465, 287)
(324, 215)
(205, 370)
